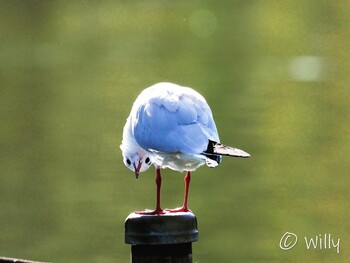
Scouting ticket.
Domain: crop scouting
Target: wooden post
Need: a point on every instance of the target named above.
(16, 260)
(161, 238)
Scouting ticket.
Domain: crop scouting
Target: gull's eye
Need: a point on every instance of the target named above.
(147, 160)
(128, 161)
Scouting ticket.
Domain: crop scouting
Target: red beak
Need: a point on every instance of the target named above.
(137, 169)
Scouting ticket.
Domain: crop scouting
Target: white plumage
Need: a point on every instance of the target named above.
(172, 127)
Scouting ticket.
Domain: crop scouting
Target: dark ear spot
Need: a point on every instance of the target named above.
(128, 161)
(147, 160)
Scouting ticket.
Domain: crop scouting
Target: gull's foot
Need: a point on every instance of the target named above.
(178, 210)
(151, 212)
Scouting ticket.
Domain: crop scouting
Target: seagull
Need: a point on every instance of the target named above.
(171, 126)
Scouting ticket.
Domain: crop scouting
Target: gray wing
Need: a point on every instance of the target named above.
(175, 122)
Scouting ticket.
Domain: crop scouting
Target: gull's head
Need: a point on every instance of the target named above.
(137, 160)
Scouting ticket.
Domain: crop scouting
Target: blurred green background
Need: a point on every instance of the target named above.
(276, 74)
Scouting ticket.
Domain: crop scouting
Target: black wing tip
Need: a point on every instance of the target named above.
(216, 148)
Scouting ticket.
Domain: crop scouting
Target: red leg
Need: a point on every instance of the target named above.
(158, 210)
(184, 207)
(187, 186)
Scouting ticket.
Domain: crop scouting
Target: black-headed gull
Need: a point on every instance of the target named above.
(171, 126)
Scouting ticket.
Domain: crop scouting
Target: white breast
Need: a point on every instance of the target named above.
(178, 161)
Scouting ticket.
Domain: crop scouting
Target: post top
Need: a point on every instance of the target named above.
(168, 228)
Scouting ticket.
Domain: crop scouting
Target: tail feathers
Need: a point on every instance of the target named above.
(215, 150)
(211, 163)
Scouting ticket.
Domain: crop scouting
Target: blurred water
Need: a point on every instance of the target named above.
(276, 75)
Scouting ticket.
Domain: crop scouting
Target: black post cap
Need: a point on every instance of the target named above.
(168, 228)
